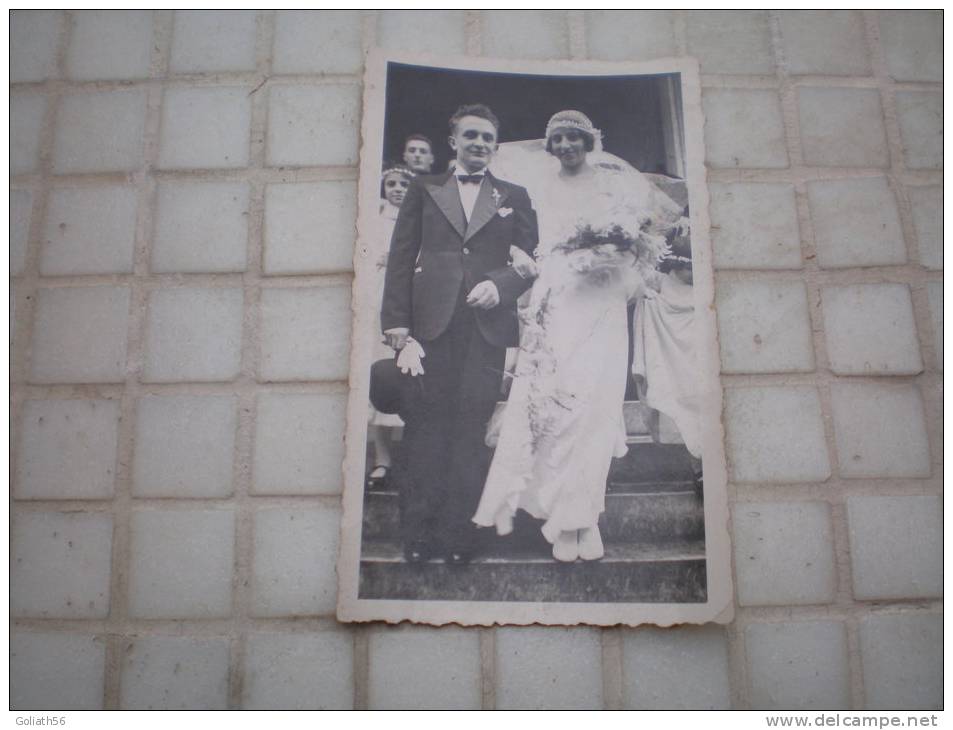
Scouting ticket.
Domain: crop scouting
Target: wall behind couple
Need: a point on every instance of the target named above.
(631, 112)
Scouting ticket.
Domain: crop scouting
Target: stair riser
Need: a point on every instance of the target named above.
(628, 518)
(672, 581)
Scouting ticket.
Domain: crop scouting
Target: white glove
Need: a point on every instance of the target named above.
(409, 357)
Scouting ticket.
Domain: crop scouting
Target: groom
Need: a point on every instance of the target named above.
(448, 286)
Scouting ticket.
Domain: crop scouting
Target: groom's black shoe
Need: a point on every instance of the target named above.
(417, 551)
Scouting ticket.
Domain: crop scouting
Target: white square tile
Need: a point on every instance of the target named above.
(842, 127)
(188, 239)
(548, 668)
(193, 334)
(902, 656)
(299, 444)
(309, 227)
(683, 668)
(921, 129)
(67, 449)
(880, 431)
(622, 35)
(205, 128)
(110, 44)
(79, 335)
(26, 123)
(300, 671)
(324, 41)
(424, 668)
(213, 41)
(798, 666)
(185, 446)
(21, 211)
(293, 568)
(313, 125)
(181, 563)
(870, 330)
(913, 43)
(525, 33)
(764, 327)
(824, 42)
(775, 434)
(428, 31)
(926, 204)
(34, 36)
(935, 299)
(896, 547)
(100, 131)
(744, 128)
(56, 669)
(856, 223)
(60, 565)
(784, 553)
(174, 673)
(305, 333)
(730, 41)
(89, 231)
(754, 226)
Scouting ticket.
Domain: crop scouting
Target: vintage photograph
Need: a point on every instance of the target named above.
(534, 419)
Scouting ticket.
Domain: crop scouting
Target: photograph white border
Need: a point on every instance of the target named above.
(350, 608)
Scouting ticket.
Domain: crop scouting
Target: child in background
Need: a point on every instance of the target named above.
(394, 183)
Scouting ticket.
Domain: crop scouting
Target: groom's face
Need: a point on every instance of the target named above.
(474, 141)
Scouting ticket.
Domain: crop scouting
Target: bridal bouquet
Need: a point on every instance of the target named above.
(596, 246)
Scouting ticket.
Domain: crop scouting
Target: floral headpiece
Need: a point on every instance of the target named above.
(402, 170)
(572, 119)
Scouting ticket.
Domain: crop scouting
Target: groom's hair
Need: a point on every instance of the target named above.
(474, 110)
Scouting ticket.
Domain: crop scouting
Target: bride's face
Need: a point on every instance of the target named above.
(569, 146)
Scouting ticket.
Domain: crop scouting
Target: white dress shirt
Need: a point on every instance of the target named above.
(469, 192)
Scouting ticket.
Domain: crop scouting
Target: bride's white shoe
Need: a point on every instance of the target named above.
(566, 547)
(590, 544)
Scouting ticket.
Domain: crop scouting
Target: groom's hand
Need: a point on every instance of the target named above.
(484, 295)
(396, 337)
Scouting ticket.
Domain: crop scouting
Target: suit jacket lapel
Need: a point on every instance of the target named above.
(447, 198)
(485, 207)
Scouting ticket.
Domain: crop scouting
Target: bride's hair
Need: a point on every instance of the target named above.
(572, 119)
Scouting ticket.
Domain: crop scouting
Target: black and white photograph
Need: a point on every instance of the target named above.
(533, 422)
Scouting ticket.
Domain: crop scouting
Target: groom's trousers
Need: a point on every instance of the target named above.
(443, 459)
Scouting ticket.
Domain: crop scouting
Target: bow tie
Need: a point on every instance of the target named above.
(468, 179)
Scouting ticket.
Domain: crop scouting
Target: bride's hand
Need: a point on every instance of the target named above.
(523, 263)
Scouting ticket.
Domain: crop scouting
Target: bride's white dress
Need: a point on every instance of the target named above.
(563, 420)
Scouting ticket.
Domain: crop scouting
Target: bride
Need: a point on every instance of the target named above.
(600, 228)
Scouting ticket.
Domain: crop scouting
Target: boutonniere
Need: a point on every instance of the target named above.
(496, 197)
(503, 212)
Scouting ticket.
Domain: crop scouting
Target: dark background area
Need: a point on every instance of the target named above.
(626, 108)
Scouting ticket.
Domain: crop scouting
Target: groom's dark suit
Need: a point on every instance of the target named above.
(436, 258)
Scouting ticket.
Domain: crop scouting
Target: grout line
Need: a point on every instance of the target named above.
(473, 32)
(225, 627)
(739, 694)
(120, 597)
(362, 666)
(488, 668)
(576, 32)
(680, 33)
(613, 667)
(242, 471)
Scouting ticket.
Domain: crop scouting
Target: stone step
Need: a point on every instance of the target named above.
(633, 573)
(643, 516)
(651, 465)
